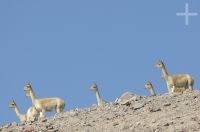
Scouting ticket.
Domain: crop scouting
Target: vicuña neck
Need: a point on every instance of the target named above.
(98, 97)
(33, 97)
(164, 72)
(152, 91)
(17, 111)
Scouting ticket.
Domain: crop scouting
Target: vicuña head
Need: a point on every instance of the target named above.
(44, 104)
(149, 86)
(100, 101)
(160, 64)
(94, 87)
(12, 104)
(27, 87)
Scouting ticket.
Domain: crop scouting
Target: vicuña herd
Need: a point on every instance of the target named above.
(175, 84)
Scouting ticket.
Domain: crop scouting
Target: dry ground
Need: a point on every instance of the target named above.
(129, 113)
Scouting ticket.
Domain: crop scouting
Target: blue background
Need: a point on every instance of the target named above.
(62, 47)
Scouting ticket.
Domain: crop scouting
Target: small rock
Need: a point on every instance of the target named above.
(8, 125)
(138, 123)
(174, 106)
(43, 128)
(28, 129)
(21, 124)
(115, 124)
(194, 119)
(50, 127)
(153, 121)
(88, 125)
(126, 98)
(157, 130)
(43, 120)
(53, 130)
(125, 127)
(167, 104)
(154, 109)
(194, 97)
(138, 105)
(177, 117)
(166, 124)
(186, 103)
(181, 122)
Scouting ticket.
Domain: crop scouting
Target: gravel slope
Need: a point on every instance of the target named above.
(129, 113)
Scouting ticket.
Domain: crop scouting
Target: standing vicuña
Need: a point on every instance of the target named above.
(44, 104)
(176, 81)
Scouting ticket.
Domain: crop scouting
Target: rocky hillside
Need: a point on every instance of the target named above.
(129, 113)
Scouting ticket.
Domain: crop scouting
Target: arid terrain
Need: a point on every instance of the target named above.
(129, 113)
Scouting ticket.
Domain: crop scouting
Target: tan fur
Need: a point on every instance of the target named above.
(32, 114)
(44, 104)
(179, 90)
(149, 86)
(100, 101)
(175, 82)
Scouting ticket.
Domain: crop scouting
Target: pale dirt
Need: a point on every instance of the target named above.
(129, 113)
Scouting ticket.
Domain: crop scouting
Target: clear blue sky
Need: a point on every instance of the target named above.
(62, 47)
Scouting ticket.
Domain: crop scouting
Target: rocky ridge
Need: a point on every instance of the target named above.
(129, 113)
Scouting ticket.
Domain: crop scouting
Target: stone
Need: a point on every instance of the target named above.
(138, 105)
